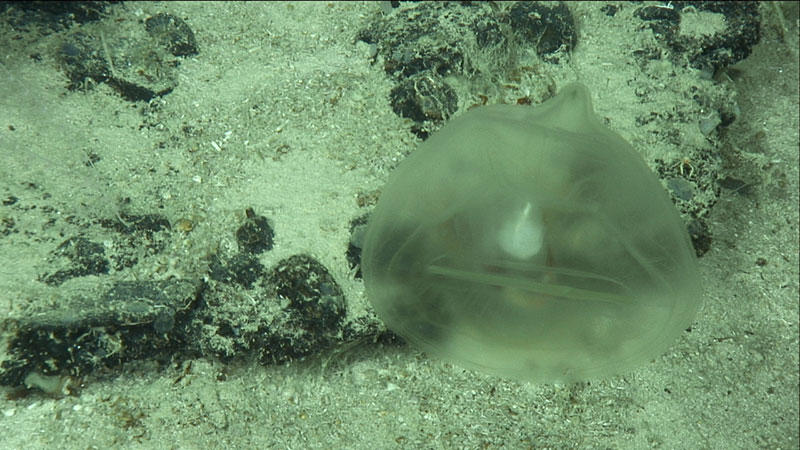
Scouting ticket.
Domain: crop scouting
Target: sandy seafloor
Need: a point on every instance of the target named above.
(323, 133)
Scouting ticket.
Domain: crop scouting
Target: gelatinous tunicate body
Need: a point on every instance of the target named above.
(533, 243)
